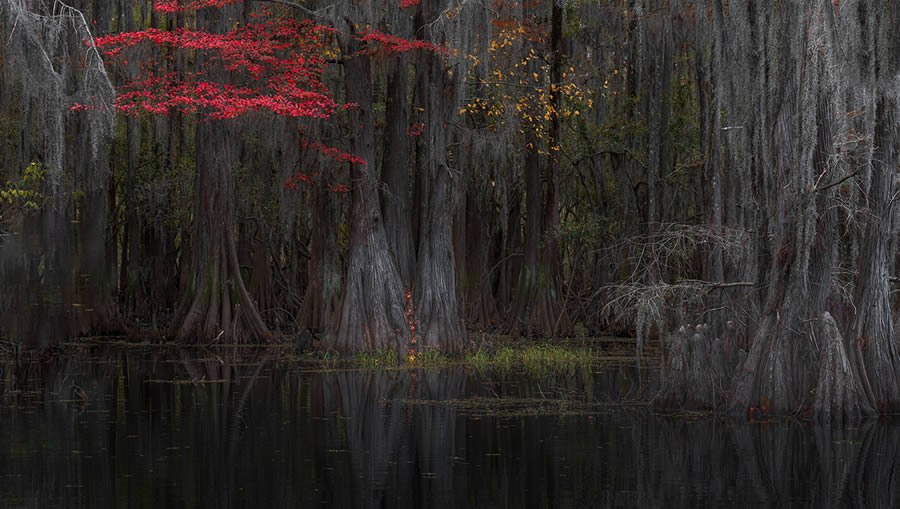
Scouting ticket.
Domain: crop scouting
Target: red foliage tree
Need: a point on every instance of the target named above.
(263, 62)
(268, 63)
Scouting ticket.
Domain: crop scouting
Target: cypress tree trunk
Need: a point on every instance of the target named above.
(840, 397)
(781, 365)
(510, 259)
(479, 276)
(558, 322)
(873, 337)
(709, 77)
(371, 313)
(436, 311)
(395, 172)
(528, 284)
(536, 307)
(323, 292)
(216, 305)
(658, 111)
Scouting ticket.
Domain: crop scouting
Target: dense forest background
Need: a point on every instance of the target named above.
(721, 171)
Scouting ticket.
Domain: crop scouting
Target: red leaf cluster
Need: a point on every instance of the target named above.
(281, 58)
(334, 153)
(416, 129)
(174, 6)
(293, 182)
(393, 44)
(274, 64)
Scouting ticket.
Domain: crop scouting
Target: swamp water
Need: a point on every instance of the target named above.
(242, 428)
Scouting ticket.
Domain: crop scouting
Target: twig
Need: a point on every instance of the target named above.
(736, 284)
(298, 7)
(816, 188)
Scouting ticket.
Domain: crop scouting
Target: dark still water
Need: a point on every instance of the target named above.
(169, 428)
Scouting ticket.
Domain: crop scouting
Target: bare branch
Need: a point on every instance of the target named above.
(816, 188)
(299, 7)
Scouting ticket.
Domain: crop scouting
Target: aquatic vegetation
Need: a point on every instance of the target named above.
(537, 359)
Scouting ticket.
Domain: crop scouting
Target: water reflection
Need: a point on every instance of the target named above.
(244, 429)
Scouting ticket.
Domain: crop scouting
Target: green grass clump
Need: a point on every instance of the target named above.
(540, 359)
(537, 359)
(376, 359)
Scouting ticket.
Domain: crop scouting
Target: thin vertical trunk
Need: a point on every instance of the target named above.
(527, 285)
(551, 256)
(510, 261)
(130, 236)
(323, 291)
(710, 75)
(479, 274)
(536, 307)
(710, 71)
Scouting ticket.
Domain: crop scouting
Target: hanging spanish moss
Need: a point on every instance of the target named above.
(56, 265)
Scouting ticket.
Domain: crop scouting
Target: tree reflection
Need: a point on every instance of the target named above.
(401, 439)
(228, 428)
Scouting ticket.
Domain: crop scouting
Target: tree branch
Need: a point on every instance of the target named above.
(839, 182)
(736, 284)
(297, 6)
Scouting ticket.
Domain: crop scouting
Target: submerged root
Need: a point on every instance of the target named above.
(695, 372)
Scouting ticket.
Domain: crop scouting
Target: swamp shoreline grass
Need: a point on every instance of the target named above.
(552, 368)
(533, 357)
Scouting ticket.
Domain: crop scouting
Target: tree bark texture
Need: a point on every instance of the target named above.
(395, 172)
(437, 318)
(371, 312)
(874, 338)
(216, 305)
(873, 334)
(323, 291)
(709, 89)
(840, 395)
(777, 373)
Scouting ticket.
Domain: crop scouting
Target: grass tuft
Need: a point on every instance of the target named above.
(537, 359)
